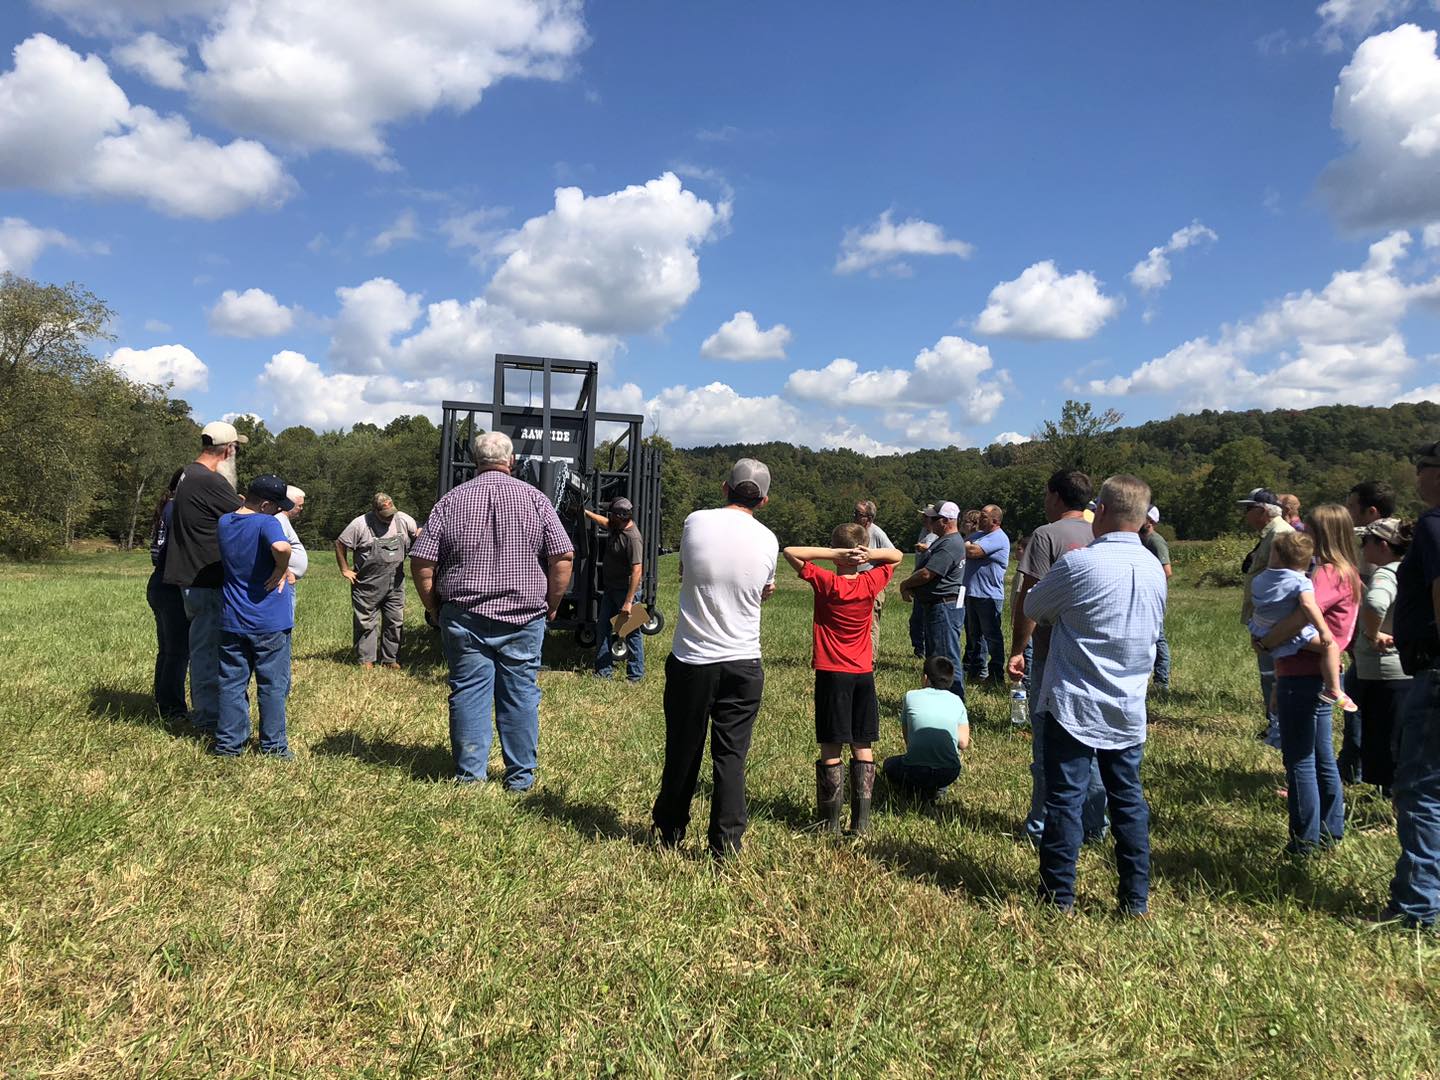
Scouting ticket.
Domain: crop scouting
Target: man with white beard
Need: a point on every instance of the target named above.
(205, 493)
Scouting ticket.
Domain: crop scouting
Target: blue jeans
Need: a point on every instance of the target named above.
(925, 779)
(1351, 760)
(1316, 800)
(917, 627)
(267, 657)
(611, 600)
(1162, 660)
(942, 638)
(1093, 821)
(499, 662)
(1266, 663)
(1067, 769)
(984, 640)
(203, 608)
(172, 645)
(1415, 889)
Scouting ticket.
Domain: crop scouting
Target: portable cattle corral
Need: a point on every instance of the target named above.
(556, 451)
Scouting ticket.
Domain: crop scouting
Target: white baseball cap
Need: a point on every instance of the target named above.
(949, 511)
(219, 433)
(1154, 515)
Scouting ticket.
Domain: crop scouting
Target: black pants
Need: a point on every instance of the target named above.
(172, 637)
(1380, 701)
(723, 699)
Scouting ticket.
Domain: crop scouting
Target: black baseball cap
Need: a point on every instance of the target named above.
(271, 488)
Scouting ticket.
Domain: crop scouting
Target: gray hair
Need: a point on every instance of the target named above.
(294, 494)
(1127, 498)
(492, 448)
(869, 507)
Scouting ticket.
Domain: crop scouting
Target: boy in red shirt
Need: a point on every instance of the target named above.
(845, 707)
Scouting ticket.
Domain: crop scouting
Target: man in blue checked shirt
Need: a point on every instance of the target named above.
(1105, 605)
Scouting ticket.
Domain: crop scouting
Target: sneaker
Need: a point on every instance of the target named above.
(1344, 700)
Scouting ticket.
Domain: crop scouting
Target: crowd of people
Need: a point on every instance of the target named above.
(493, 562)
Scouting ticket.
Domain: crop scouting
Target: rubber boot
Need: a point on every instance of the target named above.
(829, 794)
(862, 788)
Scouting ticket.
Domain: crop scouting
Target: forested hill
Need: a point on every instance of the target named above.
(1198, 465)
(85, 453)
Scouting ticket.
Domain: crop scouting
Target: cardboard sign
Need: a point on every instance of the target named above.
(623, 627)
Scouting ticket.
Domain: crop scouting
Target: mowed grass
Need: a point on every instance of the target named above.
(352, 913)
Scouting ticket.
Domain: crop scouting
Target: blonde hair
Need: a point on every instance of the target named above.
(1294, 550)
(1333, 532)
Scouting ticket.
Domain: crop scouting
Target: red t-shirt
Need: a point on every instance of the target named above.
(844, 607)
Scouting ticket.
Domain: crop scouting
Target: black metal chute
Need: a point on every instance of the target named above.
(556, 451)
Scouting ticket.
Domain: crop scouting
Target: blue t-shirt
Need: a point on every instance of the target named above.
(985, 577)
(245, 606)
(932, 720)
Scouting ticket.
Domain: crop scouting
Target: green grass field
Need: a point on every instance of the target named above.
(350, 913)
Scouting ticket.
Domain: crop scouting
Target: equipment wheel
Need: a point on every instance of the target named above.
(655, 623)
(585, 636)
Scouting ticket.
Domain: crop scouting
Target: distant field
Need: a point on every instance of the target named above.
(166, 914)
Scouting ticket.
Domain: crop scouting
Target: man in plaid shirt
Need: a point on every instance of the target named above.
(477, 568)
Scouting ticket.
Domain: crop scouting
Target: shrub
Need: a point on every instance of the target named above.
(22, 537)
(1213, 562)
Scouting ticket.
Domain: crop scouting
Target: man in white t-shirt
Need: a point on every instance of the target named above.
(713, 676)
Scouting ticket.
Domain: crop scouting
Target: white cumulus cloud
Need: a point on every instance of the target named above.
(1153, 272)
(950, 375)
(620, 263)
(1348, 19)
(153, 58)
(164, 365)
(740, 338)
(884, 243)
(301, 392)
(65, 126)
(22, 243)
(251, 314)
(706, 415)
(294, 72)
(1010, 438)
(405, 227)
(1341, 344)
(1387, 107)
(1042, 303)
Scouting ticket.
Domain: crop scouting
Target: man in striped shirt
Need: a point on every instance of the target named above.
(478, 570)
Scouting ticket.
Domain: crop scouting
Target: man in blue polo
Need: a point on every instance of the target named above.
(987, 554)
(1415, 889)
(1105, 605)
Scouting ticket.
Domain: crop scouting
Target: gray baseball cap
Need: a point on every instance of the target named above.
(749, 471)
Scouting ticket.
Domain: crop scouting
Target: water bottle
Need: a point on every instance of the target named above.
(1019, 707)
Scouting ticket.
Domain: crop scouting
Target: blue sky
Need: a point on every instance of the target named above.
(879, 228)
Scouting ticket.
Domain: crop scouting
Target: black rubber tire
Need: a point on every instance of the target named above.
(585, 637)
(618, 649)
(654, 624)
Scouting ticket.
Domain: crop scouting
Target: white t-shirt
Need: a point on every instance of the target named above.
(726, 559)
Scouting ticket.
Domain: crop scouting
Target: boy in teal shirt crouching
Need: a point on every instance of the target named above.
(936, 728)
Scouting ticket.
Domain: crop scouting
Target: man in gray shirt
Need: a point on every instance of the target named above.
(865, 511)
(1160, 548)
(1067, 493)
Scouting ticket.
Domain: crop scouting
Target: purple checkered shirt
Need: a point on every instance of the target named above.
(487, 537)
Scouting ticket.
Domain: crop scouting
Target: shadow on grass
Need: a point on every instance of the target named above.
(950, 869)
(427, 763)
(1254, 871)
(1187, 783)
(591, 820)
(126, 706)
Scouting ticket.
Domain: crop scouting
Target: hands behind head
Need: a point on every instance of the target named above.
(856, 554)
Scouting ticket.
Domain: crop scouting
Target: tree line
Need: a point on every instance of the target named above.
(84, 453)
